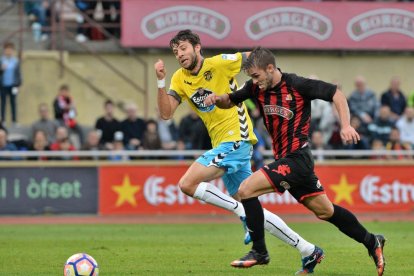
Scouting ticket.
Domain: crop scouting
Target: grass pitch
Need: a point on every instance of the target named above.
(201, 249)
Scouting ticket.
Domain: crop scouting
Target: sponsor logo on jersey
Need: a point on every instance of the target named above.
(188, 82)
(288, 19)
(208, 75)
(198, 99)
(177, 18)
(381, 21)
(278, 110)
(229, 57)
(285, 185)
(283, 170)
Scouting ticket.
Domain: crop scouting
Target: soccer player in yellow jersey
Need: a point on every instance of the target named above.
(230, 130)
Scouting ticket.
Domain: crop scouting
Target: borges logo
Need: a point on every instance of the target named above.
(288, 19)
(185, 17)
(381, 21)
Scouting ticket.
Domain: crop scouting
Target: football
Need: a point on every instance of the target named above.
(81, 264)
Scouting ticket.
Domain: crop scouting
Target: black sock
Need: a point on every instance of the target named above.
(255, 223)
(348, 224)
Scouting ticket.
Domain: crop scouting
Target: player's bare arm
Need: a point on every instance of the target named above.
(166, 104)
(222, 101)
(348, 133)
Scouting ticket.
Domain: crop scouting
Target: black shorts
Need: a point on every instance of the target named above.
(294, 173)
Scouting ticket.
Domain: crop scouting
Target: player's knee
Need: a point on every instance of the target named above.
(186, 186)
(245, 191)
(324, 213)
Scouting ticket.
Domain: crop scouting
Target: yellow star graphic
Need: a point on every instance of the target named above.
(343, 190)
(126, 192)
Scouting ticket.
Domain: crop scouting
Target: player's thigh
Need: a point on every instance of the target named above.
(197, 173)
(255, 185)
(232, 181)
(320, 205)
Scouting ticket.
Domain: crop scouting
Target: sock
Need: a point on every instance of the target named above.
(211, 194)
(348, 224)
(255, 223)
(278, 228)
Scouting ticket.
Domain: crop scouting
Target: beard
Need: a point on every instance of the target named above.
(269, 81)
(193, 64)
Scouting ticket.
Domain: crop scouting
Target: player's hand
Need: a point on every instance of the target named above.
(349, 135)
(160, 69)
(211, 99)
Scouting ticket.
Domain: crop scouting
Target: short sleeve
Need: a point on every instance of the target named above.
(175, 89)
(314, 89)
(231, 63)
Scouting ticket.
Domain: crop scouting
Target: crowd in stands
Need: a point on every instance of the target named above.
(105, 12)
(384, 122)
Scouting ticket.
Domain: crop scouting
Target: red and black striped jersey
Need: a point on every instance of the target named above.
(286, 109)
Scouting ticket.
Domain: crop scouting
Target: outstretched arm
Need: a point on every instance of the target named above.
(166, 103)
(348, 133)
(222, 101)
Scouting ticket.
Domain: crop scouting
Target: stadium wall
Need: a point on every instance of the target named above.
(151, 188)
(41, 72)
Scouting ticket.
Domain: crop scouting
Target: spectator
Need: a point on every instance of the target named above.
(92, 141)
(396, 144)
(406, 126)
(5, 145)
(381, 127)
(363, 102)
(69, 12)
(318, 144)
(168, 133)
(45, 124)
(65, 111)
(394, 98)
(118, 146)
(186, 130)
(40, 143)
(38, 12)
(62, 143)
(132, 128)
(107, 125)
(10, 80)
(377, 145)
(200, 138)
(151, 139)
(362, 144)
(92, 144)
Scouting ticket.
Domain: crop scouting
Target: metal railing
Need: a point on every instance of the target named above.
(190, 154)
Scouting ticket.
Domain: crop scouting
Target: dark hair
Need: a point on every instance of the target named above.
(64, 87)
(184, 35)
(109, 102)
(8, 44)
(260, 58)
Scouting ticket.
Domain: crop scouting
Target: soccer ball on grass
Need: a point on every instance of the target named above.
(81, 264)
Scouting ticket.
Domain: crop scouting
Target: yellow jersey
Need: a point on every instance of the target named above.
(215, 76)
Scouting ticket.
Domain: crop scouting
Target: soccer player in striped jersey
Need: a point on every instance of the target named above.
(284, 102)
(230, 130)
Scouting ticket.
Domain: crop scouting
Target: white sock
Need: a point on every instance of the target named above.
(278, 228)
(211, 194)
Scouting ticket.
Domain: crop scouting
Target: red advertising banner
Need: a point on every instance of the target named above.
(272, 24)
(153, 190)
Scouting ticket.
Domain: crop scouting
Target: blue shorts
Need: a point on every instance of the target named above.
(234, 157)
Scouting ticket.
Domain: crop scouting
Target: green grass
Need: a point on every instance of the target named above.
(191, 249)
